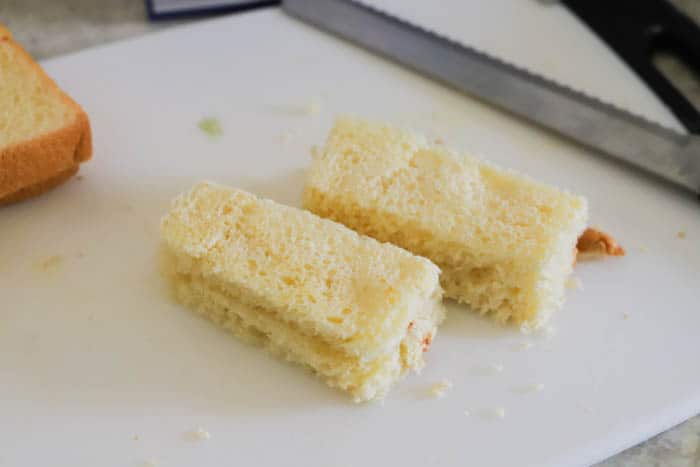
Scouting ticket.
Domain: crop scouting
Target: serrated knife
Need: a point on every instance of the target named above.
(614, 132)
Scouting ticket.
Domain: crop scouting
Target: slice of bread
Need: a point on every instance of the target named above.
(358, 312)
(505, 244)
(44, 134)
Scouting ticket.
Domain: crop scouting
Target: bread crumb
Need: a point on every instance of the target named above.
(574, 283)
(51, 264)
(496, 367)
(79, 178)
(488, 370)
(681, 235)
(596, 242)
(211, 127)
(314, 106)
(135, 437)
(439, 141)
(625, 315)
(528, 388)
(497, 413)
(537, 387)
(201, 434)
(644, 249)
(440, 389)
(150, 463)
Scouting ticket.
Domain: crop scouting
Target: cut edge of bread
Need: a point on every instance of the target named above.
(36, 165)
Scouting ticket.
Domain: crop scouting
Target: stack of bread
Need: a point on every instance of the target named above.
(358, 312)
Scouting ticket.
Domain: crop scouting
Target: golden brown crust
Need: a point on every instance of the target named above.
(40, 187)
(31, 167)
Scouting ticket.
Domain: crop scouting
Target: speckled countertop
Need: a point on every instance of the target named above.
(53, 27)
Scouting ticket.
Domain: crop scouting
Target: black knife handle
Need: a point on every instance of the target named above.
(638, 29)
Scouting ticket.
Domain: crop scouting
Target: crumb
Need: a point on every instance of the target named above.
(201, 434)
(135, 437)
(681, 235)
(574, 283)
(625, 315)
(523, 346)
(497, 413)
(488, 370)
(439, 141)
(79, 178)
(51, 264)
(150, 463)
(439, 390)
(211, 127)
(528, 388)
(314, 106)
(644, 249)
(496, 367)
(597, 242)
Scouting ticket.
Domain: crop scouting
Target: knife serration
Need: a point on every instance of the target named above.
(589, 121)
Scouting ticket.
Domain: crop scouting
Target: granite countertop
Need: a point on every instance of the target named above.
(50, 28)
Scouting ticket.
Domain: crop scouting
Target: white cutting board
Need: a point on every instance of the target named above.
(99, 367)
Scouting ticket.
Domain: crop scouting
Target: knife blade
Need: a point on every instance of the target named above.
(614, 132)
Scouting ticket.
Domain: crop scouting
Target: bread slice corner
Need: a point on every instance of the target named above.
(44, 134)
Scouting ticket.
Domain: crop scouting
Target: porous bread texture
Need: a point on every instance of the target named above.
(505, 243)
(358, 312)
(44, 135)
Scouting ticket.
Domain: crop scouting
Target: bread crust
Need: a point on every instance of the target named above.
(38, 188)
(34, 166)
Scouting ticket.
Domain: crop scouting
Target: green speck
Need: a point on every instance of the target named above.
(211, 127)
